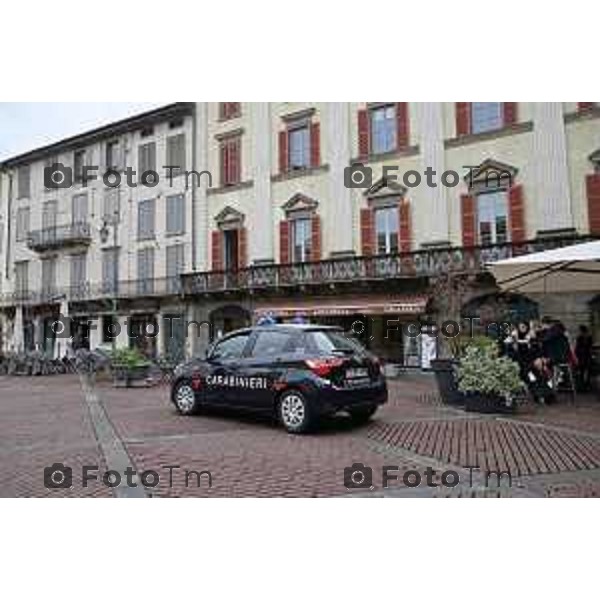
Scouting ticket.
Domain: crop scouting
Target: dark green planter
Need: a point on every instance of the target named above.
(487, 404)
(130, 376)
(445, 377)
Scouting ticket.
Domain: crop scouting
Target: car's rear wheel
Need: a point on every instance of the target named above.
(363, 414)
(295, 412)
(185, 399)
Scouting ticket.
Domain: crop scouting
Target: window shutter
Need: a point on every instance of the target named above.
(224, 165)
(315, 145)
(242, 248)
(283, 151)
(582, 106)
(467, 206)
(315, 249)
(363, 134)
(593, 197)
(463, 118)
(217, 252)
(516, 214)
(509, 110)
(403, 130)
(367, 232)
(234, 161)
(284, 242)
(405, 226)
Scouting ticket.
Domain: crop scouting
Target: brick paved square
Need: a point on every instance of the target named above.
(550, 451)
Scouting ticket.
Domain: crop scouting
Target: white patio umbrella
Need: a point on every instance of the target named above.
(570, 269)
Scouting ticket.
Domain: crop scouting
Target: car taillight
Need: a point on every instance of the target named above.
(323, 366)
(379, 366)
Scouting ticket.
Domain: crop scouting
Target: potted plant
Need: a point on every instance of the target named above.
(128, 365)
(490, 383)
(449, 291)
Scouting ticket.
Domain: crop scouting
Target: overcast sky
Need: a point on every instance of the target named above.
(28, 125)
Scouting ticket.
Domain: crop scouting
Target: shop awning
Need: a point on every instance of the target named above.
(400, 305)
(570, 269)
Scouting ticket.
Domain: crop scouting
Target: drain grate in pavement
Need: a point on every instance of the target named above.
(492, 445)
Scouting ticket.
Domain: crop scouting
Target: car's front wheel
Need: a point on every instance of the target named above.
(295, 412)
(185, 399)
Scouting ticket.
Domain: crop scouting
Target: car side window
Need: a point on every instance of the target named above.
(271, 344)
(232, 347)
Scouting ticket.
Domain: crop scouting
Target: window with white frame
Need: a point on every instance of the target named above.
(49, 211)
(49, 276)
(113, 155)
(78, 164)
(22, 277)
(79, 213)
(110, 269)
(299, 145)
(176, 154)
(146, 157)
(145, 264)
(386, 230)
(301, 239)
(175, 214)
(78, 272)
(175, 266)
(146, 219)
(22, 223)
(24, 181)
(492, 218)
(486, 116)
(111, 208)
(382, 121)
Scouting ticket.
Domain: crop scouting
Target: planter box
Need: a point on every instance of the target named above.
(130, 376)
(488, 403)
(445, 377)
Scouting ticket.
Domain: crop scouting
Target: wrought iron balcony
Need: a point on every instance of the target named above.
(85, 291)
(422, 263)
(74, 234)
(121, 290)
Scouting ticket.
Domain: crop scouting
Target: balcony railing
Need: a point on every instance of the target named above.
(166, 286)
(137, 288)
(422, 263)
(60, 236)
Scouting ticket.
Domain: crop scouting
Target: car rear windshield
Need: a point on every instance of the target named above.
(328, 341)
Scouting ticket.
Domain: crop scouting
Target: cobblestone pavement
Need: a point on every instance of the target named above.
(549, 451)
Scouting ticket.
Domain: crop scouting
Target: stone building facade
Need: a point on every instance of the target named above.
(330, 212)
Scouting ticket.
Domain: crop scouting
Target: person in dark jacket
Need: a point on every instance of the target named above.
(583, 353)
(555, 344)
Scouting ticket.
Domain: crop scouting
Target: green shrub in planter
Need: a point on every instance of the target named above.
(128, 365)
(482, 372)
(130, 358)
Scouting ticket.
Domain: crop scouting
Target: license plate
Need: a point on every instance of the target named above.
(357, 373)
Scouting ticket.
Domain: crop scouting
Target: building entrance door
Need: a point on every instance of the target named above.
(174, 337)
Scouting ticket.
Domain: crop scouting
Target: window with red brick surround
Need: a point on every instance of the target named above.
(367, 145)
(229, 110)
(230, 149)
(300, 145)
(464, 116)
